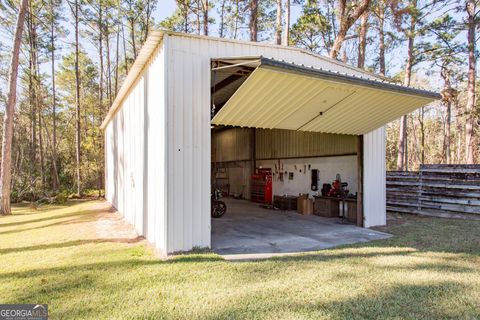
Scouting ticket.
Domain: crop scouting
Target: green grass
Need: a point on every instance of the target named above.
(430, 269)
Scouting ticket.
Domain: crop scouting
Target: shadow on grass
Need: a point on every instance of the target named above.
(50, 217)
(403, 301)
(70, 244)
(111, 266)
(79, 217)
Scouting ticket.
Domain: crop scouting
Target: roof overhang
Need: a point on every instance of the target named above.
(150, 45)
(281, 95)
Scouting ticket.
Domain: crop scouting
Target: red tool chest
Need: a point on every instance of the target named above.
(261, 186)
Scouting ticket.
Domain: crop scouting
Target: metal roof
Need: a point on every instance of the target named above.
(154, 40)
(281, 95)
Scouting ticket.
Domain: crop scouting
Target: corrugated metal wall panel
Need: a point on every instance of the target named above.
(135, 155)
(188, 131)
(276, 143)
(155, 126)
(374, 178)
(232, 145)
(164, 190)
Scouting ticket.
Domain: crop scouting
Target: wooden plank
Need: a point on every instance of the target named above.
(467, 202)
(398, 191)
(438, 189)
(402, 210)
(451, 167)
(452, 193)
(404, 204)
(450, 207)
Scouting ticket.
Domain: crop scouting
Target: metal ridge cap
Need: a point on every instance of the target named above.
(348, 78)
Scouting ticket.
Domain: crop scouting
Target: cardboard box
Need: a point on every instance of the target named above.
(301, 197)
(306, 206)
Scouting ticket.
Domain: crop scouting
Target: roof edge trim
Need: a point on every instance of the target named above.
(331, 75)
(142, 61)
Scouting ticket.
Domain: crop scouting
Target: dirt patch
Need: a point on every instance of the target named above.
(111, 226)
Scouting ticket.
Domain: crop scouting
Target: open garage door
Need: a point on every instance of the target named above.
(265, 93)
(299, 154)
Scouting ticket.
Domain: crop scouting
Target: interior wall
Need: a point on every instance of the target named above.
(232, 150)
(346, 166)
(237, 175)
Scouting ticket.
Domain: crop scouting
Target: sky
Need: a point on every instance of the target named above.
(165, 8)
(395, 58)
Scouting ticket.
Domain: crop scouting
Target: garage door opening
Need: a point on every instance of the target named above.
(286, 190)
(261, 172)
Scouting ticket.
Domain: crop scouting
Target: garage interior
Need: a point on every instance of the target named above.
(287, 187)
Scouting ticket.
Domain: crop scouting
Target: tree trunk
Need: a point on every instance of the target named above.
(148, 12)
(125, 56)
(448, 133)
(100, 55)
(347, 19)
(344, 56)
(381, 38)
(401, 144)
(185, 16)
(55, 178)
(448, 97)
(221, 28)
(32, 92)
(253, 25)
(362, 40)
(278, 23)
(132, 36)
(198, 10)
(337, 44)
(205, 17)
(117, 61)
(77, 102)
(237, 15)
(422, 134)
(5, 174)
(109, 74)
(286, 33)
(402, 159)
(40, 145)
(459, 128)
(470, 106)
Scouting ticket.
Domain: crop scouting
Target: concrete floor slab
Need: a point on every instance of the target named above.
(248, 231)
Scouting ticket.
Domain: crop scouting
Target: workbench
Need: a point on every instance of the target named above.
(330, 207)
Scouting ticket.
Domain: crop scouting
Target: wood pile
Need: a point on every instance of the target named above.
(435, 189)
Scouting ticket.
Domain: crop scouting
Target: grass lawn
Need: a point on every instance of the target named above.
(430, 269)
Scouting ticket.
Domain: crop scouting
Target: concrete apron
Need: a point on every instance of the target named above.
(249, 232)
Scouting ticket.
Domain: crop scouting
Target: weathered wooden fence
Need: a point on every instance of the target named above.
(435, 190)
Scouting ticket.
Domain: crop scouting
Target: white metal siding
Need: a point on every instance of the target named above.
(164, 189)
(125, 147)
(188, 129)
(155, 158)
(374, 180)
(135, 155)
